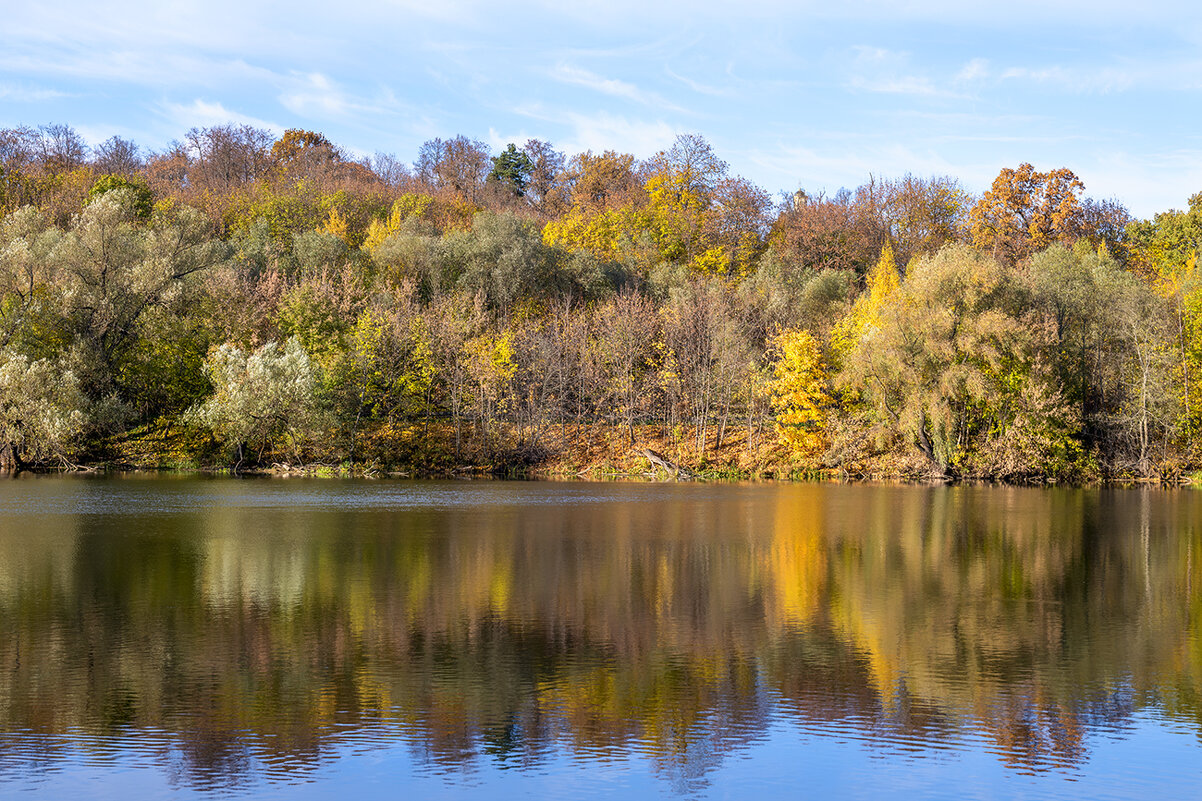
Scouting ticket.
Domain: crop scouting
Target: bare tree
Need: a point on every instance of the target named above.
(547, 191)
(226, 156)
(61, 149)
(117, 156)
(460, 164)
(389, 169)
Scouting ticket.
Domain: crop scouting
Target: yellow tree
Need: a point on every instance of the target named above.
(491, 368)
(865, 316)
(799, 393)
(407, 206)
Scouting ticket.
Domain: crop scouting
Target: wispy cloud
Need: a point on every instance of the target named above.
(830, 169)
(1083, 80)
(498, 141)
(137, 68)
(202, 113)
(317, 96)
(16, 93)
(314, 95)
(598, 132)
(975, 70)
(700, 88)
(875, 69)
(565, 73)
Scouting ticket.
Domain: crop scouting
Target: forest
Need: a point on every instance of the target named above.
(248, 301)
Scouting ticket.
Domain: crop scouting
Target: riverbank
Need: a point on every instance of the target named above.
(563, 451)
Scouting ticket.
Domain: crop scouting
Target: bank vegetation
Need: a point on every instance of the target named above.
(242, 301)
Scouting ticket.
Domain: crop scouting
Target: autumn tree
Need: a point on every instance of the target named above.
(223, 157)
(546, 190)
(18, 164)
(954, 369)
(625, 331)
(697, 213)
(917, 215)
(817, 232)
(866, 315)
(389, 169)
(799, 391)
(117, 156)
(460, 165)
(60, 148)
(1025, 211)
(301, 154)
(1162, 246)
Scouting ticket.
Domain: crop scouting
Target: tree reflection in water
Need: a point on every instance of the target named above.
(508, 623)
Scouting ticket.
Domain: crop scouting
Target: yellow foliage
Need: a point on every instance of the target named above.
(489, 361)
(799, 393)
(715, 261)
(865, 316)
(602, 233)
(408, 205)
(335, 224)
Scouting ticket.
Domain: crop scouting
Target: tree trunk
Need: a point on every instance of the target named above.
(928, 449)
(10, 458)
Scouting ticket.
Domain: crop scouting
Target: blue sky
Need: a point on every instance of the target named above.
(792, 94)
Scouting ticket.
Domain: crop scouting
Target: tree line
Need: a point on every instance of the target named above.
(242, 299)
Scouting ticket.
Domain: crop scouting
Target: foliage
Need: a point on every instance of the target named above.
(865, 316)
(260, 399)
(954, 367)
(142, 201)
(799, 392)
(1025, 211)
(41, 409)
(512, 170)
(500, 299)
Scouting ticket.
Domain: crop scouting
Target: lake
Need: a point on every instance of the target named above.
(200, 638)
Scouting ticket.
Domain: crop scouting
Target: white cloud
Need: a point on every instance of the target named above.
(974, 70)
(138, 68)
(318, 97)
(16, 93)
(201, 113)
(599, 132)
(565, 73)
(848, 166)
(1085, 80)
(314, 95)
(498, 141)
(701, 88)
(875, 69)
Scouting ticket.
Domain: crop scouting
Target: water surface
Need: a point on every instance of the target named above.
(317, 639)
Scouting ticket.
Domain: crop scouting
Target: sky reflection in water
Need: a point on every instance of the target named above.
(316, 638)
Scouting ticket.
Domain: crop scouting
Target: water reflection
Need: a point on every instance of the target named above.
(230, 632)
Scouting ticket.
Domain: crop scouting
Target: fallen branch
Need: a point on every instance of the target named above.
(664, 463)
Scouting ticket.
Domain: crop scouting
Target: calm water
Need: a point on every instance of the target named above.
(323, 639)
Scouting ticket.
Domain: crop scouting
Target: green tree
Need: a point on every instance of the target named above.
(141, 200)
(512, 170)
